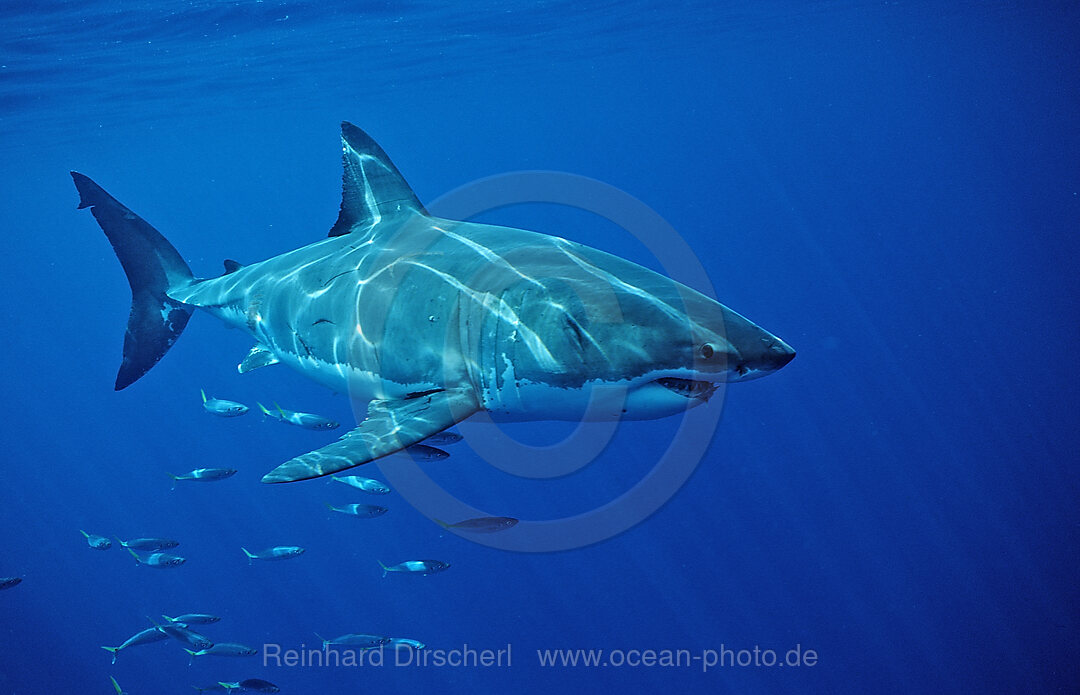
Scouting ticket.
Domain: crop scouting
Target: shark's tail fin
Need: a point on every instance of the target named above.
(153, 267)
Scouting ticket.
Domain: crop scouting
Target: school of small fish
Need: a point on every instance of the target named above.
(152, 552)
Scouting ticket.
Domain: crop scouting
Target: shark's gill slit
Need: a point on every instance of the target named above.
(575, 330)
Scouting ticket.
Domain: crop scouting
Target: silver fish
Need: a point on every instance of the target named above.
(149, 544)
(193, 619)
(278, 552)
(483, 524)
(158, 560)
(443, 438)
(147, 636)
(368, 485)
(224, 649)
(222, 408)
(182, 634)
(363, 511)
(308, 421)
(96, 542)
(421, 567)
(426, 453)
(205, 474)
(361, 641)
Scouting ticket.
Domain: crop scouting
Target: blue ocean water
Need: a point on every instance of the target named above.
(892, 188)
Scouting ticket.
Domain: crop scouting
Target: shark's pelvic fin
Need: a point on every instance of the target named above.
(153, 267)
(259, 356)
(372, 188)
(391, 426)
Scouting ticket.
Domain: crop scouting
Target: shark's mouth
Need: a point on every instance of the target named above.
(688, 388)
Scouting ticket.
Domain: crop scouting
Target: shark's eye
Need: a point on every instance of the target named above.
(707, 350)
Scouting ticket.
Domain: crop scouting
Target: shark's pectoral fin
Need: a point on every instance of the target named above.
(259, 356)
(391, 426)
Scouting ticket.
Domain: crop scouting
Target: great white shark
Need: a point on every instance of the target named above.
(432, 320)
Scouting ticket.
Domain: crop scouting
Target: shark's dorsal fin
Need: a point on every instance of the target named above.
(372, 188)
(232, 266)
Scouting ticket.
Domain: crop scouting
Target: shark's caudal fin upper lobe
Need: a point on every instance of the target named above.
(153, 266)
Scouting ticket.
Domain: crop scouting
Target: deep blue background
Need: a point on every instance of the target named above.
(891, 188)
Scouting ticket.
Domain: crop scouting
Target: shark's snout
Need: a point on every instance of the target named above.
(773, 355)
(780, 353)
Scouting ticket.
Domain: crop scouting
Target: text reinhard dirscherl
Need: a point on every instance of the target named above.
(335, 657)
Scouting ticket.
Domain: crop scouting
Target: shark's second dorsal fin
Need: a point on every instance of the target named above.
(372, 187)
(232, 266)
